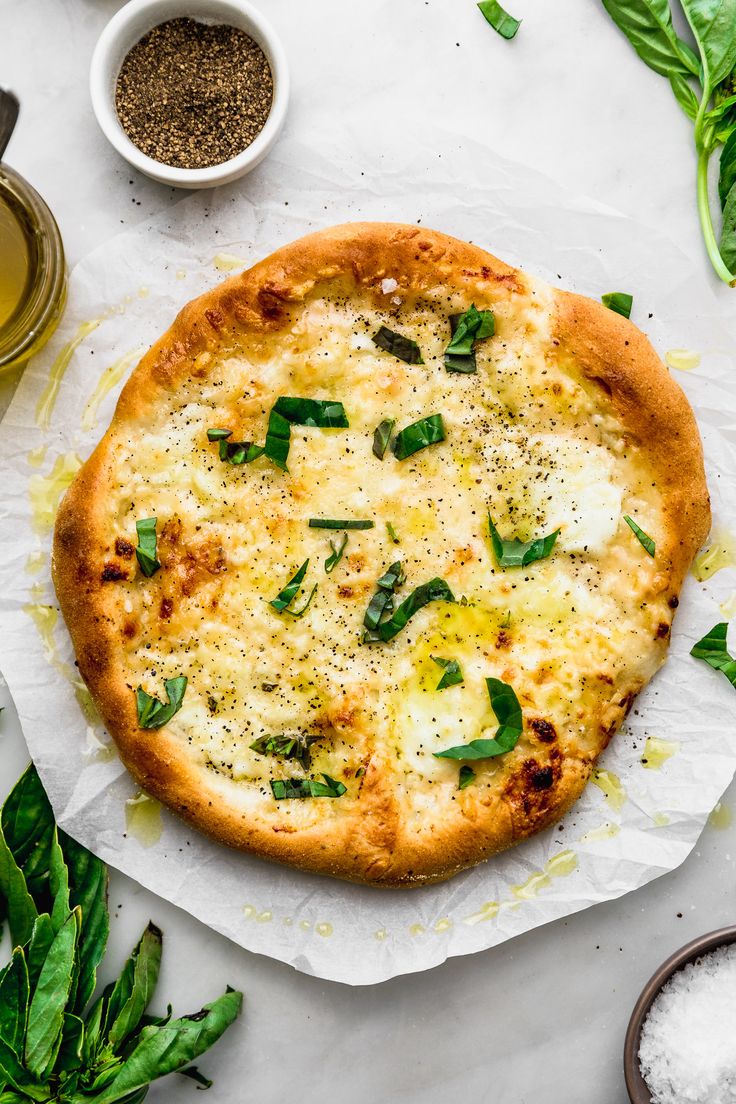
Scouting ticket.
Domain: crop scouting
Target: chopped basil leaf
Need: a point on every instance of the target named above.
(436, 590)
(418, 435)
(402, 347)
(288, 411)
(286, 747)
(712, 649)
(333, 560)
(452, 675)
(153, 713)
(505, 705)
(330, 523)
(306, 787)
(234, 452)
(499, 19)
(392, 533)
(466, 776)
(517, 553)
(382, 602)
(286, 596)
(146, 551)
(618, 301)
(645, 541)
(219, 434)
(382, 436)
(296, 614)
(467, 328)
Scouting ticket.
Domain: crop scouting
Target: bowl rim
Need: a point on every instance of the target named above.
(127, 27)
(636, 1086)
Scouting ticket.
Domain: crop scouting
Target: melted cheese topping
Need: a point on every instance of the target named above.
(525, 439)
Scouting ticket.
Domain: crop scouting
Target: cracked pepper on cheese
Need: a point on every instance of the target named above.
(569, 423)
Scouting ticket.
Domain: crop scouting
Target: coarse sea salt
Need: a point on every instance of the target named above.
(687, 1051)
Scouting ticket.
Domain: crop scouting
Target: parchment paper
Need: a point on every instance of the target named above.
(637, 822)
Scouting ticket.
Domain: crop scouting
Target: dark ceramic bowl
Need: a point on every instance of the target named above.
(635, 1083)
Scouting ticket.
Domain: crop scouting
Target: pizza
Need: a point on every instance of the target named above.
(383, 540)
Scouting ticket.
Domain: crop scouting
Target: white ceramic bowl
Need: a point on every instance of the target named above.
(128, 26)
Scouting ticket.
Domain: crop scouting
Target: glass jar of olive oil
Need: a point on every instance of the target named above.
(32, 270)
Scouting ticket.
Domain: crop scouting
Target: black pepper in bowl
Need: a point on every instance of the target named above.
(193, 94)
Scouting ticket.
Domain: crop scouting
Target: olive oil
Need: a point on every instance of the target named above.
(18, 257)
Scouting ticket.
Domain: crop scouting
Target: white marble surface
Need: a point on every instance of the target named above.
(541, 1018)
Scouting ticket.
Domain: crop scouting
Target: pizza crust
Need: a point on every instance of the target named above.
(380, 832)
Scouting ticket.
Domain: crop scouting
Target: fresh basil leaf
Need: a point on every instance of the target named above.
(465, 777)
(42, 937)
(17, 1077)
(46, 1010)
(288, 411)
(28, 826)
(285, 597)
(88, 890)
(713, 23)
(146, 551)
(418, 435)
(382, 436)
(306, 787)
(618, 301)
(219, 434)
(331, 523)
(727, 171)
(72, 1043)
(286, 746)
(436, 590)
(399, 346)
(684, 94)
(505, 705)
(20, 906)
(452, 675)
(14, 996)
(393, 536)
(336, 555)
(153, 713)
(728, 231)
(713, 650)
(467, 328)
(146, 962)
(159, 1050)
(197, 1076)
(646, 542)
(518, 553)
(499, 19)
(382, 602)
(58, 883)
(648, 26)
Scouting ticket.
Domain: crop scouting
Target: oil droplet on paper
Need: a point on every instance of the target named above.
(443, 925)
(181, 274)
(417, 929)
(305, 925)
(606, 831)
(249, 912)
(610, 785)
(728, 608)
(721, 816)
(558, 867)
(143, 292)
(264, 917)
(45, 491)
(661, 819)
(380, 935)
(720, 553)
(287, 921)
(682, 360)
(657, 752)
(486, 911)
(46, 402)
(109, 378)
(35, 562)
(324, 929)
(226, 262)
(143, 819)
(37, 456)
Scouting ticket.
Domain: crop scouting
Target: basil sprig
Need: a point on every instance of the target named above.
(382, 436)
(382, 603)
(436, 590)
(419, 435)
(56, 1043)
(399, 346)
(336, 555)
(332, 523)
(153, 713)
(499, 19)
(286, 746)
(234, 452)
(712, 650)
(644, 540)
(467, 328)
(288, 411)
(451, 675)
(518, 553)
(619, 301)
(145, 553)
(285, 597)
(306, 787)
(505, 705)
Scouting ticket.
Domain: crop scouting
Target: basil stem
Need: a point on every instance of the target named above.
(145, 553)
(288, 411)
(392, 533)
(153, 713)
(645, 541)
(419, 435)
(467, 328)
(618, 301)
(306, 787)
(286, 747)
(436, 590)
(285, 597)
(452, 675)
(333, 560)
(712, 649)
(517, 553)
(399, 346)
(382, 436)
(505, 705)
(330, 523)
(499, 19)
(465, 777)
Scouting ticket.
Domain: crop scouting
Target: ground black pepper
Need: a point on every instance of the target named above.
(191, 94)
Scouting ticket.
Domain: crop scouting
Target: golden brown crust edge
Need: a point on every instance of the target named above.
(612, 353)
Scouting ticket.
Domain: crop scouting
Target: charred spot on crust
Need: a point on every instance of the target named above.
(503, 639)
(604, 386)
(627, 701)
(270, 305)
(662, 630)
(214, 317)
(166, 608)
(129, 629)
(531, 786)
(345, 591)
(542, 778)
(113, 573)
(544, 730)
(124, 548)
(673, 602)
